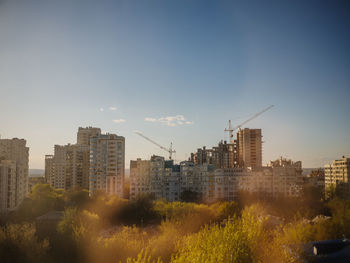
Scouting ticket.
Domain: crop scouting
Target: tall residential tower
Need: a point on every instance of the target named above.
(14, 158)
(107, 164)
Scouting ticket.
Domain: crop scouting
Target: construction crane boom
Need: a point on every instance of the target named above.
(170, 150)
(231, 130)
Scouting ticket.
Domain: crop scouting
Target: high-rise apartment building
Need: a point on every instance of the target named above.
(84, 134)
(14, 157)
(107, 164)
(337, 175)
(69, 167)
(250, 147)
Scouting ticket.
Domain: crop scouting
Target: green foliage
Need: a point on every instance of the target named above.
(139, 212)
(107, 229)
(43, 199)
(239, 240)
(190, 196)
(78, 198)
(18, 243)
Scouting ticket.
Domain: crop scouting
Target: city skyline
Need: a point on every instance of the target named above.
(177, 72)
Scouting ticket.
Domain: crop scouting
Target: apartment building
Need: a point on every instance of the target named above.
(69, 167)
(49, 169)
(245, 151)
(281, 177)
(14, 157)
(7, 185)
(226, 182)
(157, 177)
(107, 164)
(249, 147)
(84, 134)
(337, 176)
(225, 155)
(164, 180)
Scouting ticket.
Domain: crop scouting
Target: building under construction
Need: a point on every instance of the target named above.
(244, 151)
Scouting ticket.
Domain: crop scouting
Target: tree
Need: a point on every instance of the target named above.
(190, 196)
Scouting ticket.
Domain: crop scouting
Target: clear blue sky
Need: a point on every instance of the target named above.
(61, 62)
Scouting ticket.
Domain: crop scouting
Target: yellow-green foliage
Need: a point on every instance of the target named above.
(126, 243)
(18, 243)
(239, 240)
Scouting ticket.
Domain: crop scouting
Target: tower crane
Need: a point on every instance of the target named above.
(170, 150)
(231, 130)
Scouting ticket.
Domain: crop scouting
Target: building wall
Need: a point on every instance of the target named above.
(337, 174)
(15, 150)
(84, 134)
(49, 169)
(7, 185)
(68, 168)
(107, 164)
(225, 155)
(250, 147)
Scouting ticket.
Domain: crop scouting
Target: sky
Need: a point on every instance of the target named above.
(177, 71)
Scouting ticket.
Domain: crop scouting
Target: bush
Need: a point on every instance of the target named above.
(18, 243)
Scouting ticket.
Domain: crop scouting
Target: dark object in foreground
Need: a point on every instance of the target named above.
(329, 251)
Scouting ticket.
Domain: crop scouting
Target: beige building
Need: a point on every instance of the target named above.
(250, 147)
(84, 134)
(69, 167)
(337, 174)
(281, 177)
(107, 164)
(225, 155)
(49, 169)
(14, 157)
(226, 182)
(7, 185)
(245, 151)
(163, 179)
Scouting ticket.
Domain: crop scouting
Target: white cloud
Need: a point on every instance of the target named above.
(112, 108)
(102, 109)
(150, 119)
(119, 121)
(171, 121)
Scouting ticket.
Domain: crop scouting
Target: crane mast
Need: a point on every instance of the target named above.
(231, 130)
(170, 150)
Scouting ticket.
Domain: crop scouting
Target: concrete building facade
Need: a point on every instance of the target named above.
(164, 180)
(250, 147)
(107, 164)
(225, 155)
(68, 168)
(7, 185)
(14, 157)
(84, 134)
(337, 176)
